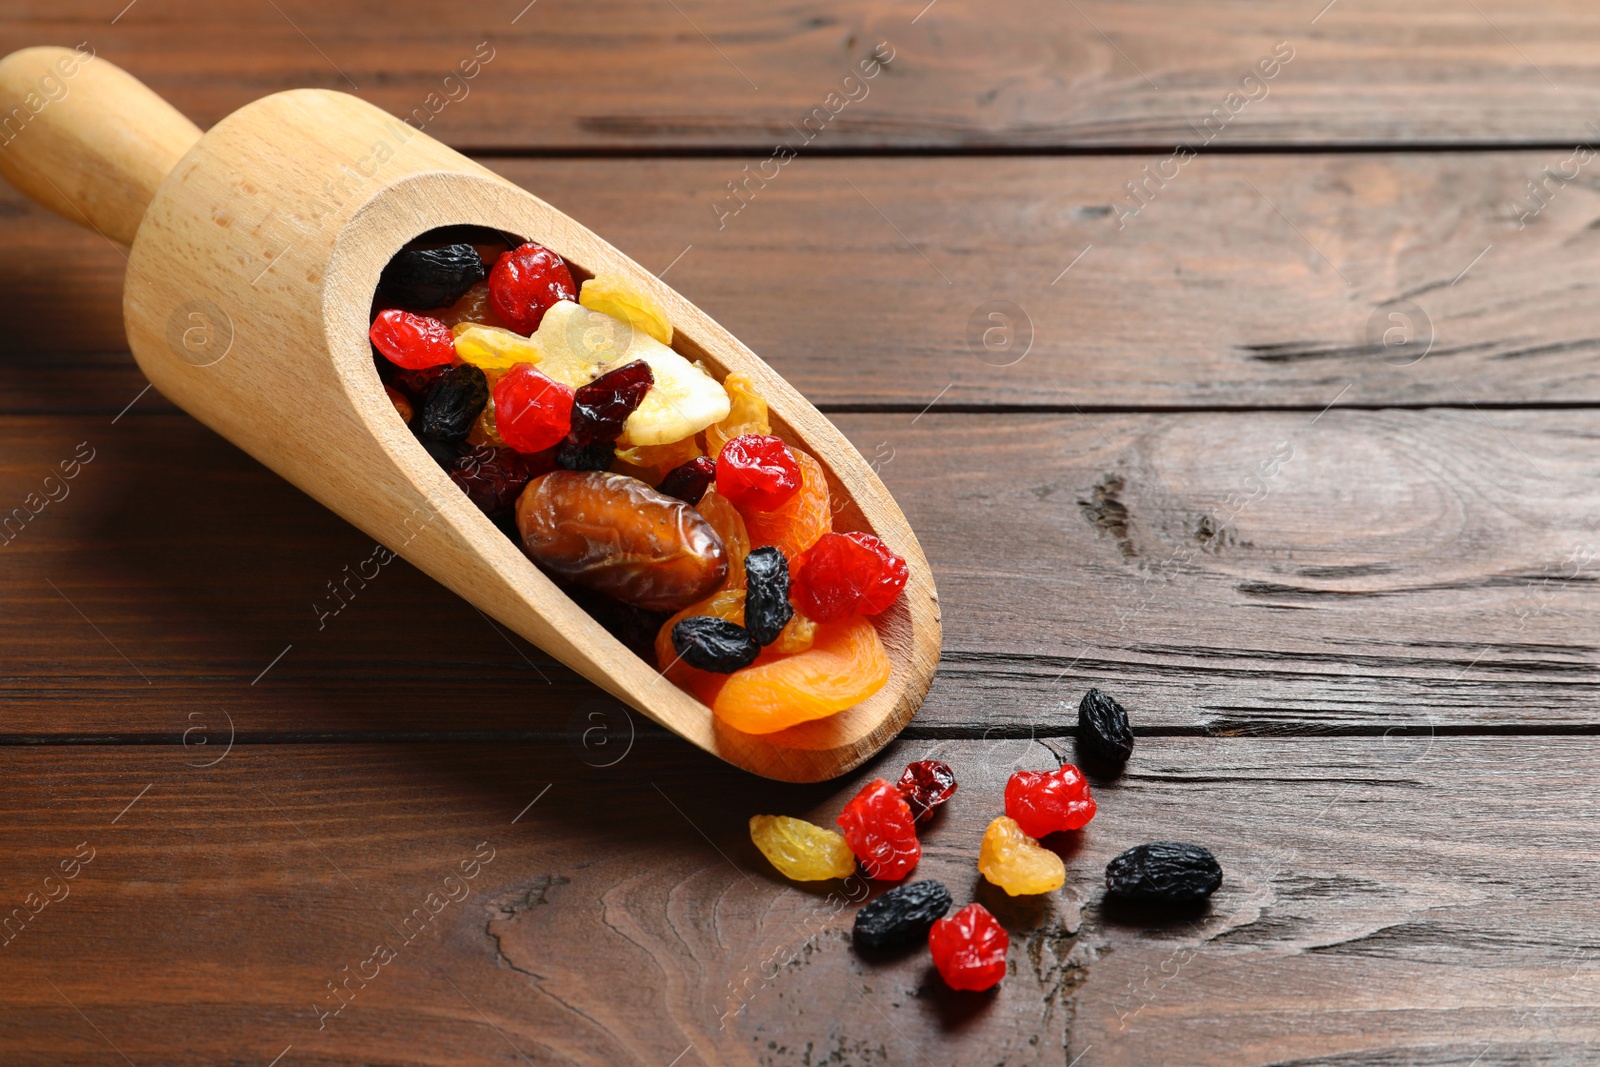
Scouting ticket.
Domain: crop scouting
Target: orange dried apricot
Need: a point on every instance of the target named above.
(729, 524)
(747, 414)
(804, 517)
(844, 666)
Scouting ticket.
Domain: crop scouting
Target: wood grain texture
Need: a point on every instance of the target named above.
(1208, 298)
(1383, 902)
(628, 74)
(1401, 569)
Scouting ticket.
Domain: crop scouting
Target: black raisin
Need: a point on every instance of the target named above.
(901, 916)
(714, 644)
(453, 404)
(600, 408)
(576, 457)
(689, 481)
(766, 598)
(1164, 872)
(1103, 730)
(431, 277)
(444, 453)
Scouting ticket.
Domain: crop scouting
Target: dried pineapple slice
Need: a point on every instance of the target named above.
(579, 345)
(613, 295)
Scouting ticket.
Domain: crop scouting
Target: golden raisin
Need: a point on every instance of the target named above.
(800, 850)
(1016, 862)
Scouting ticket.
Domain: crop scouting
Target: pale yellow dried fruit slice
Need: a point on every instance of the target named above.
(800, 850)
(579, 344)
(615, 296)
(492, 348)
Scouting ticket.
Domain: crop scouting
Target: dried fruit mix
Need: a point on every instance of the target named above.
(638, 480)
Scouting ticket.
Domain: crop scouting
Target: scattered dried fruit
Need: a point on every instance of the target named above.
(708, 643)
(616, 535)
(1103, 730)
(431, 277)
(1164, 872)
(901, 916)
(1017, 863)
(412, 341)
(878, 825)
(969, 948)
(926, 784)
(766, 602)
(801, 850)
(526, 282)
(1044, 802)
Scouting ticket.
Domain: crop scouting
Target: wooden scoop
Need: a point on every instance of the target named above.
(256, 249)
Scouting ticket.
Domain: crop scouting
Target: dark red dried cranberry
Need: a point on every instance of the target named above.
(571, 457)
(690, 480)
(493, 477)
(600, 408)
(926, 784)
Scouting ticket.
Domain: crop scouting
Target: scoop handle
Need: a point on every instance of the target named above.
(86, 139)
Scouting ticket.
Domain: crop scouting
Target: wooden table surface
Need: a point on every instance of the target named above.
(1291, 447)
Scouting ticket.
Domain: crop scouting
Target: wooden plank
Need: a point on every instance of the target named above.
(630, 74)
(1215, 295)
(1383, 902)
(1428, 570)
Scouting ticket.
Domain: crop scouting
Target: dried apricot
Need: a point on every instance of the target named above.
(797, 524)
(747, 413)
(729, 524)
(844, 666)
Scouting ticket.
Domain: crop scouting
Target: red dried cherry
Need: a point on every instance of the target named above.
(412, 341)
(969, 948)
(532, 412)
(689, 481)
(1043, 802)
(526, 282)
(891, 579)
(926, 784)
(843, 574)
(879, 829)
(757, 471)
(600, 408)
